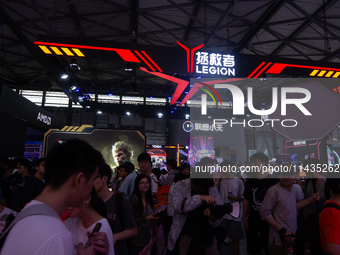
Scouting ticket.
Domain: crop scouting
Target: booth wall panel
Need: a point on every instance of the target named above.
(149, 124)
(12, 136)
(87, 118)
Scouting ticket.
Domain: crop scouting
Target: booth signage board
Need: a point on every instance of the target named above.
(13, 104)
(182, 60)
(101, 139)
(33, 150)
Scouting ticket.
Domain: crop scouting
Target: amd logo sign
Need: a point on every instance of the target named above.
(45, 119)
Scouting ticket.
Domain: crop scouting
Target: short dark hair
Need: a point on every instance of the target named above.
(261, 156)
(144, 156)
(105, 170)
(334, 185)
(25, 163)
(128, 166)
(227, 163)
(183, 166)
(39, 161)
(172, 163)
(69, 158)
(206, 160)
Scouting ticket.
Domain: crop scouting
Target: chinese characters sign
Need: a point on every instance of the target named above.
(215, 64)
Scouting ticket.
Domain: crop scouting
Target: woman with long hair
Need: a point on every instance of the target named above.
(143, 210)
(84, 219)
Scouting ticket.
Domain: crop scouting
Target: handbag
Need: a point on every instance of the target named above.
(156, 246)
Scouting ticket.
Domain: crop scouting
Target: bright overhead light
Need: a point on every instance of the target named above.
(160, 115)
(99, 112)
(88, 107)
(128, 113)
(64, 76)
(73, 87)
(187, 116)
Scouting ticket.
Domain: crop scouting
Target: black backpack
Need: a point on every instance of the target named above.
(307, 237)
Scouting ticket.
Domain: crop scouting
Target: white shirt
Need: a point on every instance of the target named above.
(76, 227)
(236, 187)
(38, 235)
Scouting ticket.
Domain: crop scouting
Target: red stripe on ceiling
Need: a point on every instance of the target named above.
(182, 84)
(250, 75)
(153, 62)
(262, 70)
(146, 62)
(278, 67)
(126, 55)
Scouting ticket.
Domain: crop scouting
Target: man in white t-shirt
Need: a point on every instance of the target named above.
(70, 170)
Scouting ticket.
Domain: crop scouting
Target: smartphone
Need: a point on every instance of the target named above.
(96, 229)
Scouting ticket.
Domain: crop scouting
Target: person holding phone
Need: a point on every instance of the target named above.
(89, 218)
(143, 210)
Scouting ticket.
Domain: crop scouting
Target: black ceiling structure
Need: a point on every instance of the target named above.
(303, 30)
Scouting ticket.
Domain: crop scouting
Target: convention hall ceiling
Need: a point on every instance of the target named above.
(301, 29)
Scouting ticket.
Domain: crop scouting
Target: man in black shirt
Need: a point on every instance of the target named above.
(119, 212)
(256, 188)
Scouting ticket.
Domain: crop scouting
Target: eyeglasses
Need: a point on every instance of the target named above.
(144, 183)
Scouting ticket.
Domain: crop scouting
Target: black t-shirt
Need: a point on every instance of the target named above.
(254, 192)
(118, 225)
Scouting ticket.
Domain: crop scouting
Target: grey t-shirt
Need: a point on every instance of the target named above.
(280, 204)
(128, 185)
(119, 224)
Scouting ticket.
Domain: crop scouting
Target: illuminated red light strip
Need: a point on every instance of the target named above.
(250, 75)
(146, 62)
(182, 84)
(188, 55)
(278, 67)
(262, 70)
(126, 55)
(153, 62)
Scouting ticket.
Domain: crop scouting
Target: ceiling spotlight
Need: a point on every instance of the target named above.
(88, 107)
(160, 115)
(74, 64)
(187, 116)
(128, 113)
(172, 111)
(128, 67)
(99, 112)
(64, 76)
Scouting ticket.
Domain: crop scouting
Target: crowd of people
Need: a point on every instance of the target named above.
(72, 202)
